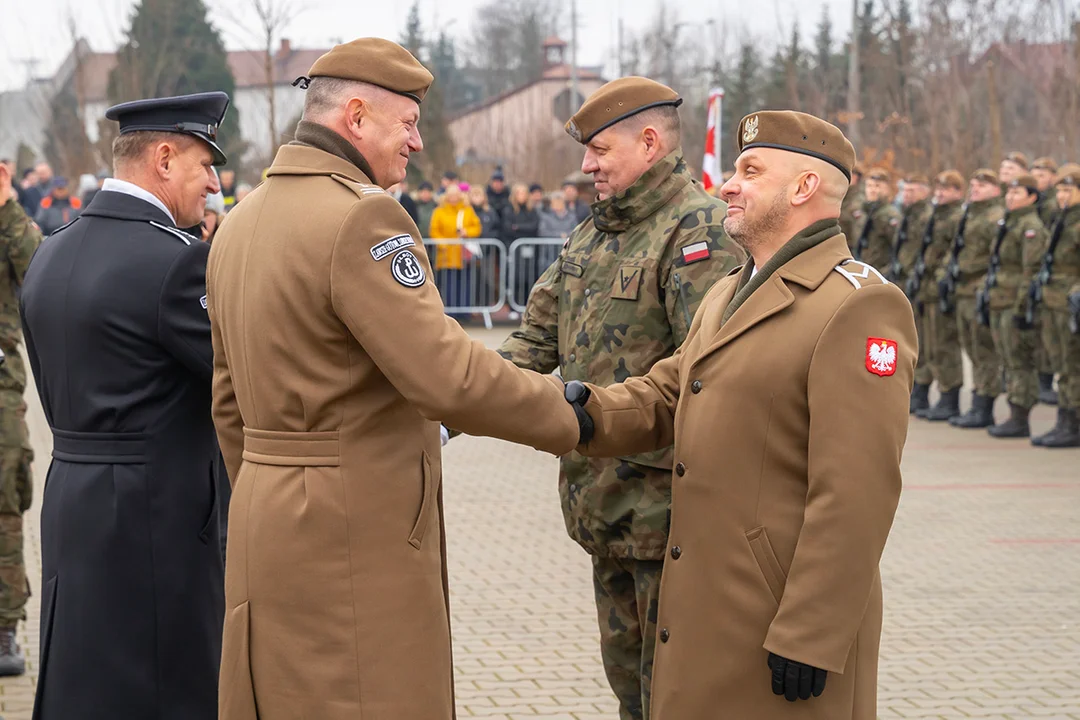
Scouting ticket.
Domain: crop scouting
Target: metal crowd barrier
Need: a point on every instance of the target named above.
(529, 258)
(469, 275)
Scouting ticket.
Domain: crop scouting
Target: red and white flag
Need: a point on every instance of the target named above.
(711, 174)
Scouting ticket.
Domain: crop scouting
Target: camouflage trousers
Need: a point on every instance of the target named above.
(978, 342)
(1063, 348)
(1017, 349)
(627, 596)
(924, 374)
(16, 494)
(942, 348)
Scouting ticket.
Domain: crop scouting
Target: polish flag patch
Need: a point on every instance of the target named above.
(693, 253)
(881, 356)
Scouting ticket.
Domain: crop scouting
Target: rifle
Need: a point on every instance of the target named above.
(914, 283)
(982, 299)
(947, 286)
(895, 269)
(1046, 271)
(1074, 316)
(864, 236)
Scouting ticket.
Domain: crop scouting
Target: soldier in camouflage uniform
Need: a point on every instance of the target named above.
(1060, 343)
(1045, 170)
(1013, 166)
(876, 229)
(620, 298)
(985, 210)
(19, 238)
(851, 210)
(942, 336)
(907, 249)
(1012, 269)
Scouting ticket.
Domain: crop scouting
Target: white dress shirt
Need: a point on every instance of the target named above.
(123, 186)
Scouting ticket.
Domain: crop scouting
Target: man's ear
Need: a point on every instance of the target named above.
(651, 138)
(807, 186)
(164, 158)
(356, 111)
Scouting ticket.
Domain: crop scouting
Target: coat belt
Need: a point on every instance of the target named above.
(99, 448)
(277, 447)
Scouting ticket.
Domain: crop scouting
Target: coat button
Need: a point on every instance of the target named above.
(573, 357)
(680, 469)
(676, 552)
(695, 387)
(664, 635)
(588, 292)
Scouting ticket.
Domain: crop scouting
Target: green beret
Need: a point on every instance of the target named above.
(1027, 182)
(615, 101)
(985, 175)
(799, 133)
(950, 179)
(375, 61)
(1069, 176)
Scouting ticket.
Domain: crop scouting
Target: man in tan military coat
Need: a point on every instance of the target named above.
(788, 407)
(334, 363)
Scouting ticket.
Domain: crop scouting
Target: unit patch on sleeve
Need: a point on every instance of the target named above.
(627, 282)
(881, 356)
(388, 246)
(407, 270)
(694, 252)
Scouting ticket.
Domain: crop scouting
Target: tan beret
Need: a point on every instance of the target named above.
(615, 101)
(799, 133)
(1045, 163)
(375, 61)
(917, 179)
(950, 178)
(985, 175)
(1025, 181)
(1017, 158)
(880, 174)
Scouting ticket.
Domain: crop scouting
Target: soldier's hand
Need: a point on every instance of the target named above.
(795, 680)
(577, 395)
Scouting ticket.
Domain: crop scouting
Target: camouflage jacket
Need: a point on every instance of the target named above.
(19, 239)
(884, 220)
(620, 298)
(1066, 270)
(980, 232)
(946, 223)
(909, 237)
(1022, 248)
(1048, 208)
(851, 211)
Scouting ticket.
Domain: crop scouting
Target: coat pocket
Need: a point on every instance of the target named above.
(48, 618)
(767, 562)
(212, 516)
(430, 492)
(236, 694)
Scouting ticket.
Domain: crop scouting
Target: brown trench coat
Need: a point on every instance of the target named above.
(787, 476)
(330, 377)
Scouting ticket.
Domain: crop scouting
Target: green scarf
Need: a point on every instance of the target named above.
(812, 236)
(323, 138)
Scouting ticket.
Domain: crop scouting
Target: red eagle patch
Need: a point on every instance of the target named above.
(881, 356)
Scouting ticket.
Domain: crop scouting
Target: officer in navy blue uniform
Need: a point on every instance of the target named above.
(114, 311)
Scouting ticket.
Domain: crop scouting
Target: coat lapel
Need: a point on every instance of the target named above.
(766, 301)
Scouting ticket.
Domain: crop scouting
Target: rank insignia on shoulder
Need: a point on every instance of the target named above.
(202, 301)
(407, 270)
(694, 252)
(881, 356)
(388, 246)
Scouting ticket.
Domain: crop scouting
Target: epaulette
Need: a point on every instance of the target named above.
(175, 232)
(865, 275)
(362, 190)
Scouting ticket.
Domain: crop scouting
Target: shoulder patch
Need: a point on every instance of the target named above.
(390, 245)
(407, 270)
(1029, 234)
(695, 252)
(202, 301)
(881, 356)
(860, 274)
(894, 222)
(175, 232)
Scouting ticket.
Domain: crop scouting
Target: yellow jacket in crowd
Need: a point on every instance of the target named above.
(446, 221)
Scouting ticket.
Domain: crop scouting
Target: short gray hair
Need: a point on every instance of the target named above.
(325, 94)
(131, 147)
(664, 118)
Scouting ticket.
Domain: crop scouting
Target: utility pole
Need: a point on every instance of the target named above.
(854, 79)
(573, 58)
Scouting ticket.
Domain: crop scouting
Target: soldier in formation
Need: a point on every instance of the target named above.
(851, 209)
(620, 298)
(908, 249)
(877, 227)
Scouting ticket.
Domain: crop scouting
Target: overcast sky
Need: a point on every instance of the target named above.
(37, 31)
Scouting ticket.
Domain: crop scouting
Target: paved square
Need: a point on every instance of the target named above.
(981, 575)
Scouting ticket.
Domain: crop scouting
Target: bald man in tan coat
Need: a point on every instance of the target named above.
(788, 408)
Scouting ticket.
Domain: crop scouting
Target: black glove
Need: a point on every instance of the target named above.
(795, 680)
(577, 395)
(1020, 322)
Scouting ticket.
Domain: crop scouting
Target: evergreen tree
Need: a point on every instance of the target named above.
(172, 49)
(742, 95)
(439, 59)
(413, 39)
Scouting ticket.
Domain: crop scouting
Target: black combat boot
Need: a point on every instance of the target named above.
(920, 398)
(1015, 427)
(1047, 394)
(1069, 435)
(12, 661)
(1038, 440)
(948, 406)
(980, 415)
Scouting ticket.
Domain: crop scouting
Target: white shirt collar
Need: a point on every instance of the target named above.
(123, 186)
(753, 271)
